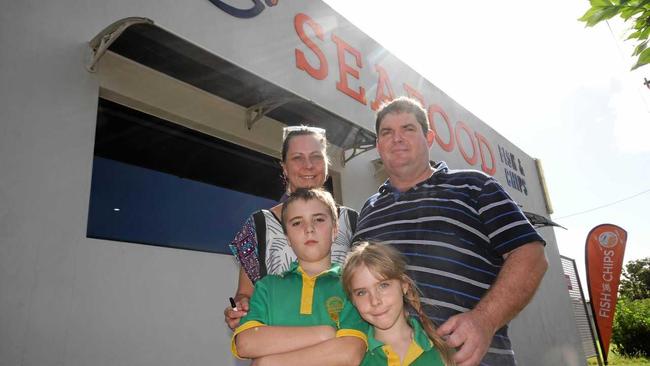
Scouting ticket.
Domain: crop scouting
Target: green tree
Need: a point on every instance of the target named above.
(636, 12)
(631, 331)
(635, 284)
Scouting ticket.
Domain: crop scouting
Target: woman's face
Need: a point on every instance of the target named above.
(305, 165)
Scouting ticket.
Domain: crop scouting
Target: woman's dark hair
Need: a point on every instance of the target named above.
(293, 131)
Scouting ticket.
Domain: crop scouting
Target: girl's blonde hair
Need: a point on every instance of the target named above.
(387, 263)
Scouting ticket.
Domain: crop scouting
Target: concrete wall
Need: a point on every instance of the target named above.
(69, 300)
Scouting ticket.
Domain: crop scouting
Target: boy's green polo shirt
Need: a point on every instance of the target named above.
(296, 299)
(420, 353)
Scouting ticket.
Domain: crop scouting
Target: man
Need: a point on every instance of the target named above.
(472, 252)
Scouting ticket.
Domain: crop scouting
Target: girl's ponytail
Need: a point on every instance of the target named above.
(412, 298)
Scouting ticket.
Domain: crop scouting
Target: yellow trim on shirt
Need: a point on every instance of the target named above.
(246, 326)
(307, 293)
(392, 358)
(352, 333)
(413, 353)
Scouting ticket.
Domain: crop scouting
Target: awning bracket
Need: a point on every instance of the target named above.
(103, 40)
(256, 112)
(539, 221)
(357, 148)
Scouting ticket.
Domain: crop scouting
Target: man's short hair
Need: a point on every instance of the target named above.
(403, 105)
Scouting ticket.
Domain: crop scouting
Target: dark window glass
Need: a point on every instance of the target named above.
(155, 182)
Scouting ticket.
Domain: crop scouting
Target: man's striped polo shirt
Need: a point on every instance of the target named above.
(453, 228)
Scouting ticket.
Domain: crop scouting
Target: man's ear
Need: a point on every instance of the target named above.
(430, 137)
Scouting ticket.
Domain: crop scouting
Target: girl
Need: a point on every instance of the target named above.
(374, 278)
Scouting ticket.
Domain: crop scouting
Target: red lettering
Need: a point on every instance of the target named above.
(413, 93)
(344, 70)
(603, 313)
(299, 22)
(482, 141)
(447, 146)
(310, 32)
(383, 83)
(461, 126)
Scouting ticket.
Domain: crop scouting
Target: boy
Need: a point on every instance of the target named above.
(303, 316)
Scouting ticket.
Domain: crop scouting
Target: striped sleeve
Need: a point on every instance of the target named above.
(505, 224)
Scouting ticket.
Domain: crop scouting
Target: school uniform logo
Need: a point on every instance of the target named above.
(334, 306)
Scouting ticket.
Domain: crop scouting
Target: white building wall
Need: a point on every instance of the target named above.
(69, 300)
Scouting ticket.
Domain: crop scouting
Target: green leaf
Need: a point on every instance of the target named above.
(588, 14)
(597, 14)
(640, 48)
(644, 58)
(627, 13)
(599, 3)
(644, 34)
(633, 35)
(640, 22)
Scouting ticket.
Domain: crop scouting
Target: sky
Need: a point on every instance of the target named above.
(561, 92)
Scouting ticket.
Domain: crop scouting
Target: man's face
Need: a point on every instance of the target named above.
(402, 145)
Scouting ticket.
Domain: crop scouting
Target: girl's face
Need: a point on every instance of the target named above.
(379, 301)
(310, 230)
(305, 165)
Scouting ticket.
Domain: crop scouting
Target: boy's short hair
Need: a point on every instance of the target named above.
(308, 194)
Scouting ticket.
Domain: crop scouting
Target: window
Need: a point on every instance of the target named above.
(156, 182)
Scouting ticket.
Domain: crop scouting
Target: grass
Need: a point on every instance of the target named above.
(616, 360)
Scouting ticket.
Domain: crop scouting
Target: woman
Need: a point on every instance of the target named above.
(304, 164)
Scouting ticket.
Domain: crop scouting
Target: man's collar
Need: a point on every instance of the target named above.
(438, 167)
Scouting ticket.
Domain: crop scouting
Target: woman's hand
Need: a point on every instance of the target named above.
(232, 316)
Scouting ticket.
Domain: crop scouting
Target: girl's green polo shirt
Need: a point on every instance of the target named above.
(296, 299)
(420, 353)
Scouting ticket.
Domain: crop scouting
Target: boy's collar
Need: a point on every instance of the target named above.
(335, 269)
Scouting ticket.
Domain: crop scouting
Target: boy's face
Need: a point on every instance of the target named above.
(310, 230)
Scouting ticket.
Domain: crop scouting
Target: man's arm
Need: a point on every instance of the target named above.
(521, 274)
(342, 351)
(268, 340)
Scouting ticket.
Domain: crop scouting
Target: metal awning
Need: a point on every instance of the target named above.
(140, 40)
